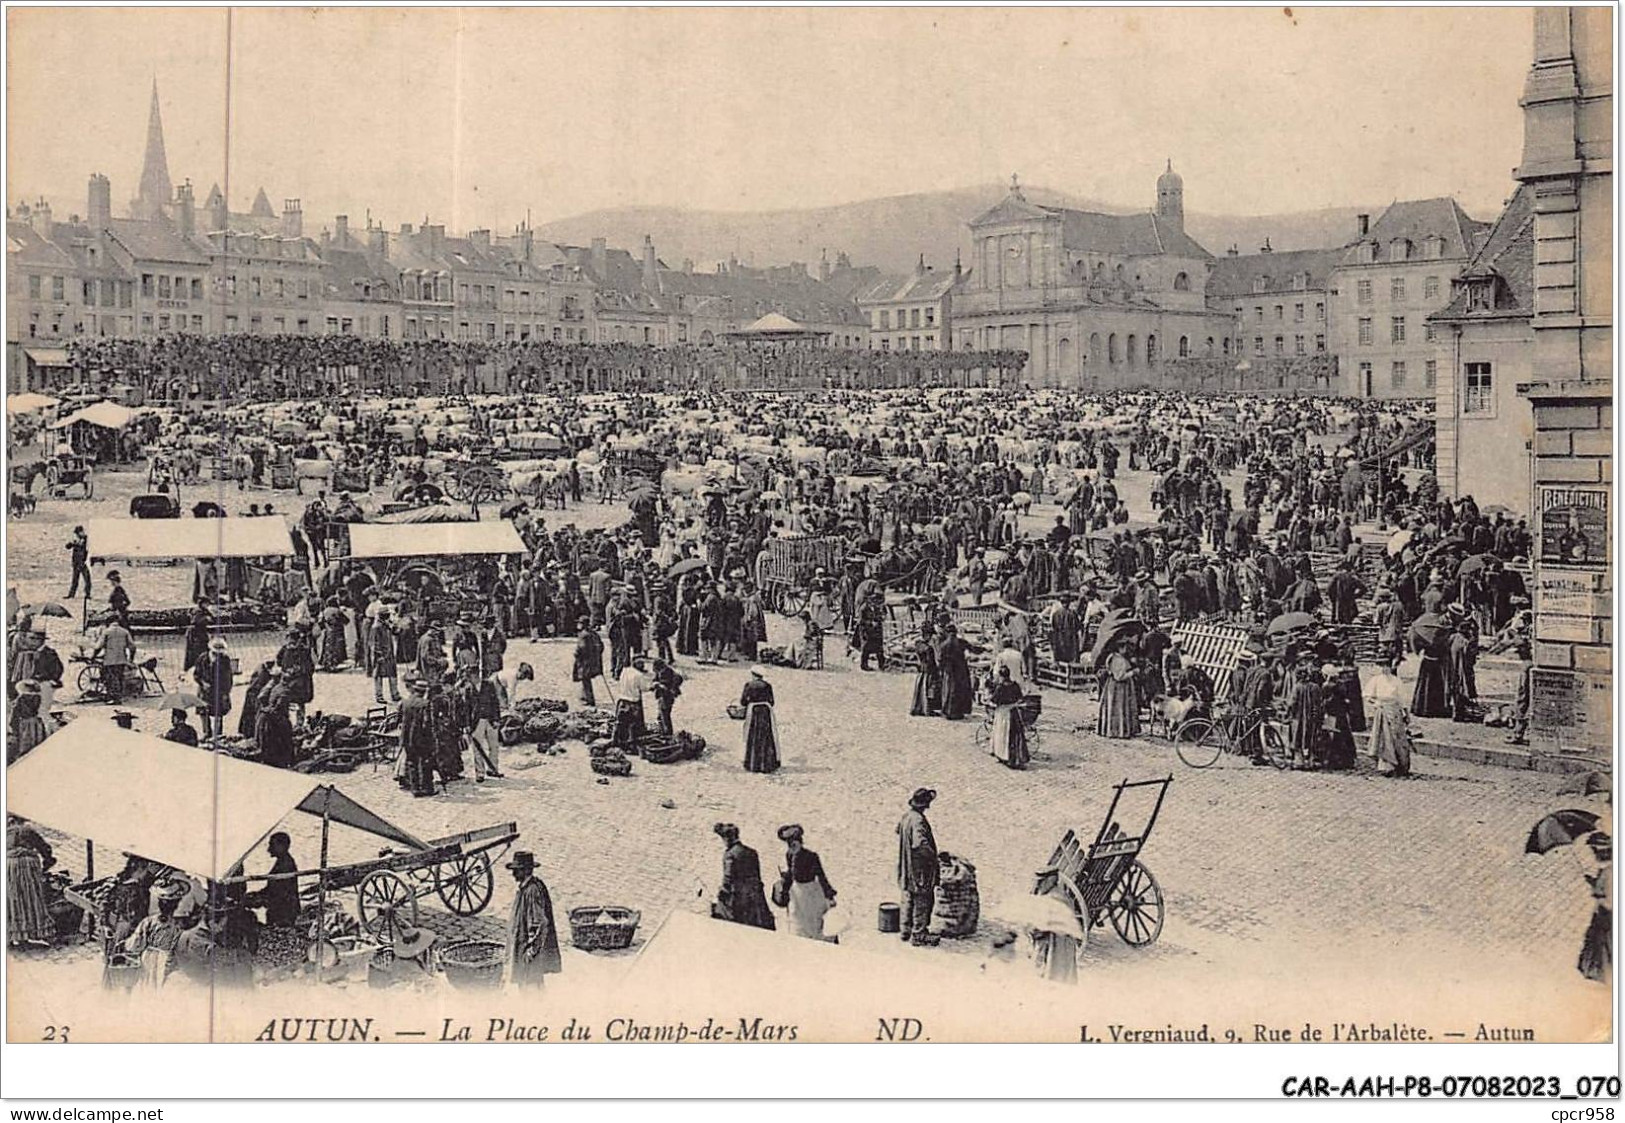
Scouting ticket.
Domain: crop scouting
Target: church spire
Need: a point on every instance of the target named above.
(156, 189)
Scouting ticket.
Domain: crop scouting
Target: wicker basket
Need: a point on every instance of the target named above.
(121, 972)
(603, 927)
(473, 964)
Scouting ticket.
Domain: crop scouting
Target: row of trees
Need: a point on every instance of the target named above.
(218, 366)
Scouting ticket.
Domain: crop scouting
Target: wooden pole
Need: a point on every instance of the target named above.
(90, 860)
(321, 884)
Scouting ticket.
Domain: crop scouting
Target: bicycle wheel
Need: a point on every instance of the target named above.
(1274, 746)
(983, 734)
(1198, 742)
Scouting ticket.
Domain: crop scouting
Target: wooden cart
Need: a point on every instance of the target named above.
(785, 570)
(1105, 880)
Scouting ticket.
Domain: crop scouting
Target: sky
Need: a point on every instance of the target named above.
(476, 117)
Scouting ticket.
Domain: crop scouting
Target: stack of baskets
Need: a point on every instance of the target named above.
(959, 903)
(473, 964)
(603, 927)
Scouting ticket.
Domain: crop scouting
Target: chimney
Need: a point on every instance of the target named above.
(406, 228)
(1265, 248)
(100, 214)
(293, 219)
(378, 241)
(959, 269)
(600, 257)
(481, 238)
(919, 267)
(688, 265)
(185, 210)
(651, 265)
(824, 271)
(1363, 224)
(1233, 251)
(341, 230)
(437, 238)
(40, 220)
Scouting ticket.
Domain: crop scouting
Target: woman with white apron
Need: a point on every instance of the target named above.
(802, 887)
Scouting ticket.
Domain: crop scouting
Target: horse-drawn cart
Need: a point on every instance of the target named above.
(786, 568)
(1105, 880)
(475, 481)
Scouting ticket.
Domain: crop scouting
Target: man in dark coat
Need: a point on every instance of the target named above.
(917, 869)
(418, 740)
(273, 733)
(298, 671)
(381, 644)
(533, 937)
(740, 897)
(1064, 630)
(1342, 591)
(588, 663)
(952, 663)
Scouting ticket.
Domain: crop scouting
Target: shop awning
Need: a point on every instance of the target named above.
(107, 415)
(152, 539)
(29, 403)
(198, 811)
(373, 540)
(48, 356)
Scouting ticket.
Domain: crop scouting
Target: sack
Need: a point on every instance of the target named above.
(781, 892)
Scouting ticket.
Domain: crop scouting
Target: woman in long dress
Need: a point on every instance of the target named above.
(1119, 715)
(26, 724)
(1390, 724)
(28, 856)
(1008, 742)
(761, 727)
(803, 885)
(154, 937)
(1430, 638)
(953, 665)
(928, 682)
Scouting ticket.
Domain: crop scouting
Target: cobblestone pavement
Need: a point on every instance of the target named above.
(1261, 869)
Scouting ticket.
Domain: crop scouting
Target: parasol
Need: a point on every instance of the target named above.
(438, 513)
(1399, 541)
(1045, 913)
(687, 565)
(1290, 622)
(180, 700)
(1116, 624)
(1474, 564)
(1560, 828)
(48, 608)
(1429, 629)
(513, 507)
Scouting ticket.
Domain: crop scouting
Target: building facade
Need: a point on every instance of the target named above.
(1097, 301)
(1390, 279)
(913, 313)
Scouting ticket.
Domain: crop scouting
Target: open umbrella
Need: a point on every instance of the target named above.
(179, 700)
(512, 507)
(1045, 913)
(49, 608)
(687, 565)
(1429, 629)
(1118, 622)
(644, 490)
(1560, 828)
(1474, 564)
(1289, 622)
(1399, 541)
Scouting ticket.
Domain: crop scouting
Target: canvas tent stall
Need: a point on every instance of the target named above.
(96, 429)
(435, 568)
(260, 545)
(204, 814)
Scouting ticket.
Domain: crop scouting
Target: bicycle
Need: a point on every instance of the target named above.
(140, 679)
(1029, 725)
(1200, 741)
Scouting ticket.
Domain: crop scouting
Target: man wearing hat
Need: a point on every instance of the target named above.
(117, 651)
(78, 548)
(119, 599)
(533, 938)
(917, 869)
(213, 675)
(418, 743)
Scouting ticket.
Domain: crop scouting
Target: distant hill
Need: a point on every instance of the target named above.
(894, 231)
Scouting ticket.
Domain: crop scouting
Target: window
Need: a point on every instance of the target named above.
(146, 322)
(255, 323)
(1297, 345)
(254, 285)
(1297, 313)
(1396, 330)
(1258, 311)
(277, 287)
(33, 286)
(163, 321)
(231, 322)
(1397, 374)
(1430, 287)
(59, 288)
(1280, 345)
(1430, 333)
(231, 285)
(914, 318)
(1280, 313)
(1430, 374)
(197, 288)
(346, 326)
(1320, 344)
(304, 290)
(1182, 282)
(885, 344)
(1362, 292)
(1396, 289)
(885, 320)
(279, 324)
(1184, 347)
(491, 329)
(1479, 396)
(1365, 331)
(87, 293)
(126, 293)
(931, 317)
(1258, 345)
(163, 288)
(930, 342)
(180, 288)
(1365, 380)
(197, 323)
(1320, 311)
(304, 326)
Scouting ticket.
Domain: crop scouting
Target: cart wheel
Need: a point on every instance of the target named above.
(464, 883)
(1274, 746)
(1135, 907)
(90, 489)
(453, 487)
(89, 681)
(1067, 890)
(387, 905)
(793, 600)
(1198, 742)
(983, 734)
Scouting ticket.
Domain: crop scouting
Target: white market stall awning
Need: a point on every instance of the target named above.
(373, 540)
(29, 403)
(198, 811)
(151, 539)
(48, 356)
(107, 415)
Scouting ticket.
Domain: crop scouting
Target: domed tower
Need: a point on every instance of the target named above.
(1171, 197)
